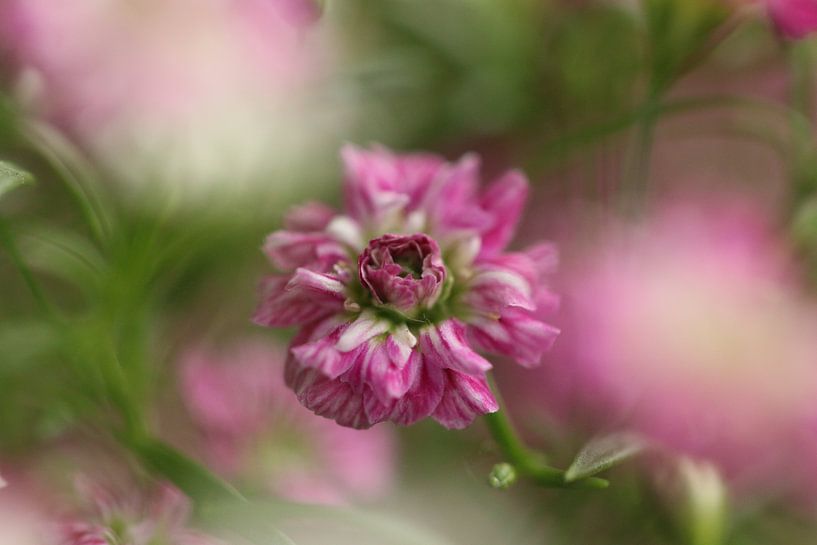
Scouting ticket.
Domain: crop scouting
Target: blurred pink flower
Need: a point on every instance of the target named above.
(255, 428)
(129, 517)
(389, 327)
(793, 18)
(169, 82)
(689, 329)
(22, 521)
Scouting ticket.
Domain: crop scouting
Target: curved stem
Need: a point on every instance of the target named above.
(527, 462)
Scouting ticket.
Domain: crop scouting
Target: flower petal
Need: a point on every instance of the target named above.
(366, 326)
(419, 402)
(465, 398)
(288, 250)
(389, 379)
(309, 217)
(305, 297)
(516, 334)
(504, 200)
(444, 345)
(326, 397)
(492, 289)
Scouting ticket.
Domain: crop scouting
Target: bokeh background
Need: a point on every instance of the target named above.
(671, 150)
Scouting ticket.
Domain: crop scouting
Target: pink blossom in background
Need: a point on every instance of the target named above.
(189, 89)
(395, 294)
(689, 329)
(128, 516)
(254, 428)
(22, 522)
(793, 18)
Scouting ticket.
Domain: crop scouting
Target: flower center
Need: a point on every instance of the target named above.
(402, 271)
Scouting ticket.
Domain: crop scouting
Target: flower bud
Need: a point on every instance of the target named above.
(404, 272)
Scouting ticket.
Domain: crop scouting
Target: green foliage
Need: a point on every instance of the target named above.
(602, 453)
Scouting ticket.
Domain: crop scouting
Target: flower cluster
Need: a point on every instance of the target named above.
(395, 296)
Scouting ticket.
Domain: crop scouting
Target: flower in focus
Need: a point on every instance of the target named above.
(691, 332)
(793, 18)
(256, 430)
(395, 295)
(129, 518)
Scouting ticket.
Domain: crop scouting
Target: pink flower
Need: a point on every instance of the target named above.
(157, 86)
(405, 272)
(131, 517)
(793, 18)
(689, 329)
(247, 415)
(390, 328)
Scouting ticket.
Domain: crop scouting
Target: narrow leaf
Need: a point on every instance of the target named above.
(12, 177)
(603, 453)
(191, 477)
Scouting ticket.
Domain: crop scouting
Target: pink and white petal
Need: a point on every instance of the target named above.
(504, 200)
(419, 402)
(366, 326)
(309, 217)
(288, 250)
(322, 286)
(330, 398)
(492, 289)
(464, 399)
(546, 257)
(389, 380)
(516, 334)
(370, 183)
(452, 205)
(323, 356)
(445, 346)
(285, 304)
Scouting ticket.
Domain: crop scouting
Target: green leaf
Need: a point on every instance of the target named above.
(191, 477)
(603, 453)
(12, 177)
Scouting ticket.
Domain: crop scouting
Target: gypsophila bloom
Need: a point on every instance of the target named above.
(114, 518)
(247, 416)
(395, 295)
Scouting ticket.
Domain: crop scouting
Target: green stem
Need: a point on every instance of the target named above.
(69, 165)
(527, 462)
(10, 244)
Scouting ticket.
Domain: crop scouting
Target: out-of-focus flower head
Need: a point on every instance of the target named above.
(129, 517)
(22, 521)
(794, 19)
(183, 90)
(690, 330)
(255, 428)
(395, 295)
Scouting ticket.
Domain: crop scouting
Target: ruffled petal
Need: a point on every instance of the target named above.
(366, 326)
(309, 217)
(288, 250)
(504, 200)
(419, 401)
(329, 398)
(465, 397)
(516, 334)
(492, 289)
(305, 297)
(444, 345)
(388, 378)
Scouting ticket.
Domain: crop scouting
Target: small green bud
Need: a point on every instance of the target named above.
(502, 476)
